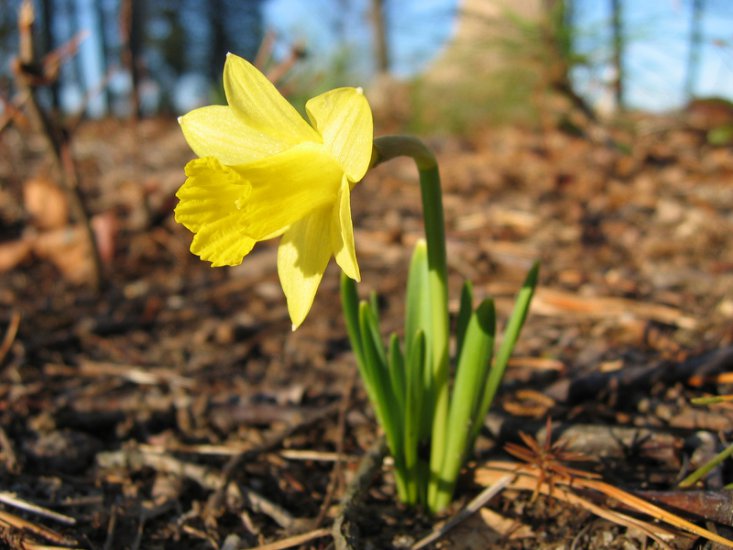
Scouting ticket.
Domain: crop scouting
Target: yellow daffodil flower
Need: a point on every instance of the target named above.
(264, 172)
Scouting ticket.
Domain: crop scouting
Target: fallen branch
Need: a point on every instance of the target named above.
(345, 531)
(270, 442)
(205, 477)
(639, 377)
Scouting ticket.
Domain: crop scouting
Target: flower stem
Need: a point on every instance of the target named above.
(386, 148)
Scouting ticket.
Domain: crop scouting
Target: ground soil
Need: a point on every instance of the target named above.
(126, 409)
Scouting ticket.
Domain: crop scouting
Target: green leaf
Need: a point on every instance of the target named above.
(374, 304)
(414, 398)
(417, 313)
(464, 316)
(467, 392)
(386, 407)
(350, 305)
(511, 335)
(370, 331)
(378, 374)
(397, 373)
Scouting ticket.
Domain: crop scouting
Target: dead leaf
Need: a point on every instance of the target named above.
(549, 301)
(46, 203)
(68, 250)
(14, 252)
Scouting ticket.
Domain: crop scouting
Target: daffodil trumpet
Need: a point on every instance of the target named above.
(262, 172)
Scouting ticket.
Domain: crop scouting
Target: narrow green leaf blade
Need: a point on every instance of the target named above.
(397, 373)
(379, 378)
(464, 315)
(468, 389)
(417, 313)
(511, 335)
(350, 305)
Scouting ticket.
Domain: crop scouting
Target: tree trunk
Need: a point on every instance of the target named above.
(693, 58)
(49, 43)
(131, 34)
(104, 52)
(76, 67)
(619, 45)
(381, 45)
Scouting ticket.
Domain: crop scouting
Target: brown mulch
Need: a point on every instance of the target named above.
(176, 409)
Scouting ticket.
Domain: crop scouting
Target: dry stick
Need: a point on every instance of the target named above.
(59, 146)
(21, 524)
(10, 335)
(8, 452)
(264, 52)
(12, 499)
(638, 377)
(471, 508)
(270, 442)
(714, 506)
(338, 467)
(368, 469)
(592, 440)
(12, 110)
(295, 540)
(111, 528)
(205, 477)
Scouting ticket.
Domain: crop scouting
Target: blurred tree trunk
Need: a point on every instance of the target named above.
(49, 43)
(557, 37)
(381, 44)
(619, 45)
(219, 43)
(76, 68)
(131, 34)
(693, 58)
(104, 52)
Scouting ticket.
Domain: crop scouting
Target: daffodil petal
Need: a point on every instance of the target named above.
(259, 105)
(215, 131)
(344, 119)
(288, 187)
(342, 233)
(302, 258)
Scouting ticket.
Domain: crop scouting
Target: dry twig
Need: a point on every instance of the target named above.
(15, 522)
(205, 477)
(471, 508)
(294, 540)
(12, 499)
(344, 534)
(10, 334)
(27, 72)
(338, 467)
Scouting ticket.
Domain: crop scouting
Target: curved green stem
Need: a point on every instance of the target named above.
(386, 148)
